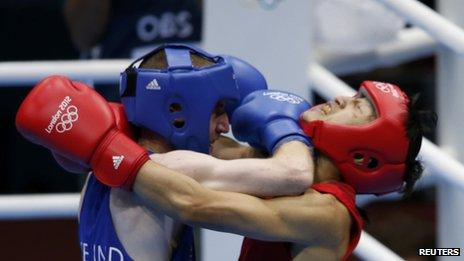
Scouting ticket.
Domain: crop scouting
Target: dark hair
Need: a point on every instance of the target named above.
(418, 122)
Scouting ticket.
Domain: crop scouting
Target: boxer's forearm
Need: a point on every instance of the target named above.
(316, 219)
(228, 149)
(298, 155)
(166, 190)
(281, 175)
(289, 172)
(185, 200)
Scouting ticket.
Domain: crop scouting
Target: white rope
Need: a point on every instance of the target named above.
(38, 206)
(444, 31)
(441, 165)
(326, 83)
(411, 44)
(370, 248)
(29, 73)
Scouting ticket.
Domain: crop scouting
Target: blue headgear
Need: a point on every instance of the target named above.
(248, 78)
(176, 102)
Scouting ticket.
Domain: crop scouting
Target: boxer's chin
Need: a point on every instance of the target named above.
(315, 113)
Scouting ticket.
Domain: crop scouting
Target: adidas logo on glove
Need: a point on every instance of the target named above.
(117, 161)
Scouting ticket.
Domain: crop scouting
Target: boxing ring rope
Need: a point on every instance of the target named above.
(411, 44)
(441, 29)
(29, 73)
(39, 206)
(370, 248)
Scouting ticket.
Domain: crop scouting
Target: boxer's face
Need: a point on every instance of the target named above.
(219, 122)
(343, 110)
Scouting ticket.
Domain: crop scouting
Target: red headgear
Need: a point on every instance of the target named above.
(370, 157)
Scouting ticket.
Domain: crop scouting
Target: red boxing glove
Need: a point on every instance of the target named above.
(121, 123)
(121, 119)
(69, 165)
(75, 121)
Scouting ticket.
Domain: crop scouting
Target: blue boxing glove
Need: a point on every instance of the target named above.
(267, 119)
(248, 79)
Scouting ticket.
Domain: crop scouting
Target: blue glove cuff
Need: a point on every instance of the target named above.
(282, 130)
(303, 139)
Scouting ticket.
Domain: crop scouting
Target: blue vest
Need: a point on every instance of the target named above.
(97, 233)
(141, 24)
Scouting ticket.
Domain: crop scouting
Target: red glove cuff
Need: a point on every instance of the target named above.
(117, 160)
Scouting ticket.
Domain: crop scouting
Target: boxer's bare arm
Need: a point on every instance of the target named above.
(288, 172)
(227, 149)
(311, 219)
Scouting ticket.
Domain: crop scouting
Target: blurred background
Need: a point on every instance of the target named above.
(34, 30)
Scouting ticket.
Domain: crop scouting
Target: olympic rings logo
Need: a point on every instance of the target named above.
(386, 88)
(67, 119)
(284, 97)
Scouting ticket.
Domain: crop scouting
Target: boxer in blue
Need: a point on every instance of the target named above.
(178, 98)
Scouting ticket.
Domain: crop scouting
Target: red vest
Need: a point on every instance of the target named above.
(257, 250)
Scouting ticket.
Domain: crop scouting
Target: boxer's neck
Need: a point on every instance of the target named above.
(325, 170)
(153, 142)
